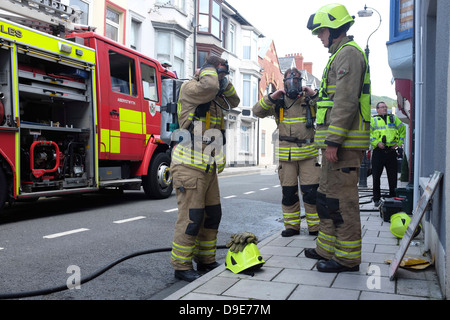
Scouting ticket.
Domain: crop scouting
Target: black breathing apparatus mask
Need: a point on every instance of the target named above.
(225, 70)
(293, 85)
(224, 81)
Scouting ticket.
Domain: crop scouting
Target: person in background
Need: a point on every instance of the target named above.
(387, 133)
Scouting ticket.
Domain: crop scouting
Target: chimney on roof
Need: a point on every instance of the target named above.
(308, 66)
(298, 57)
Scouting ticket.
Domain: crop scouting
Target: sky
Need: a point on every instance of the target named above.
(284, 21)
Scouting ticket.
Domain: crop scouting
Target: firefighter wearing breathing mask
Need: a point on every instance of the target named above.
(294, 115)
(343, 121)
(196, 160)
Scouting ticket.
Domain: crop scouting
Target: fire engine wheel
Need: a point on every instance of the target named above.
(3, 188)
(158, 182)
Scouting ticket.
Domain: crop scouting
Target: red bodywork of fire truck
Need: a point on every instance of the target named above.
(69, 125)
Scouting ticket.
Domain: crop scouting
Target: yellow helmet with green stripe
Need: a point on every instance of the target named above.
(331, 16)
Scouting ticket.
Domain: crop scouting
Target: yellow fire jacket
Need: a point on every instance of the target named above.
(201, 122)
(296, 141)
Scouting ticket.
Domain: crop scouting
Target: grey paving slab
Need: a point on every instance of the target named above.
(262, 290)
(281, 251)
(303, 243)
(352, 281)
(216, 285)
(305, 292)
(291, 262)
(380, 240)
(382, 248)
(308, 277)
(420, 288)
(368, 247)
(371, 233)
(427, 274)
(378, 258)
(281, 242)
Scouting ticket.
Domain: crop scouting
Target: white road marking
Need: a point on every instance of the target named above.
(56, 235)
(229, 197)
(264, 189)
(277, 186)
(250, 192)
(129, 219)
(171, 210)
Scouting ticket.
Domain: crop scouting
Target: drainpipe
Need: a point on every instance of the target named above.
(418, 86)
(194, 22)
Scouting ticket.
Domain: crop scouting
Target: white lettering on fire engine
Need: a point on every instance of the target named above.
(126, 101)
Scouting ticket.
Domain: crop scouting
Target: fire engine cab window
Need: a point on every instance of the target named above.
(123, 73)
(149, 82)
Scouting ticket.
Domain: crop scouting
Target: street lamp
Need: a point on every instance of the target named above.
(368, 13)
(365, 163)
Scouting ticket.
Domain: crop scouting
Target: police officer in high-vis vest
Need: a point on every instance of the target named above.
(387, 132)
(295, 149)
(343, 122)
(196, 161)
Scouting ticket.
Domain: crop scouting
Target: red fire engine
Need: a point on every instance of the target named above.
(78, 115)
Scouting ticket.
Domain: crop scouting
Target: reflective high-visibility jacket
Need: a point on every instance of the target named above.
(392, 128)
(343, 105)
(200, 154)
(295, 139)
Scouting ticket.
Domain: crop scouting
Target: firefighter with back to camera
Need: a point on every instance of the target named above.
(342, 133)
(295, 150)
(196, 161)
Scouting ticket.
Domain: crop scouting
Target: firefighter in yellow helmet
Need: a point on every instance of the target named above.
(295, 149)
(342, 133)
(196, 161)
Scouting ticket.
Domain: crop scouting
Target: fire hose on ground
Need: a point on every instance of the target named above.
(41, 292)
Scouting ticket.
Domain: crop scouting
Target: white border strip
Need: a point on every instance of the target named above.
(130, 219)
(56, 235)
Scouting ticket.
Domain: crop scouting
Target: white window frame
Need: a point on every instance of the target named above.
(116, 25)
(231, 46)
(245, 137)
(171, 57)
(89, 5)
(250, 42)
(249, 93)
(205, 19)
(135, 34)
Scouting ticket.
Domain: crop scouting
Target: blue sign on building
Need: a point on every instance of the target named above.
(402, 20)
